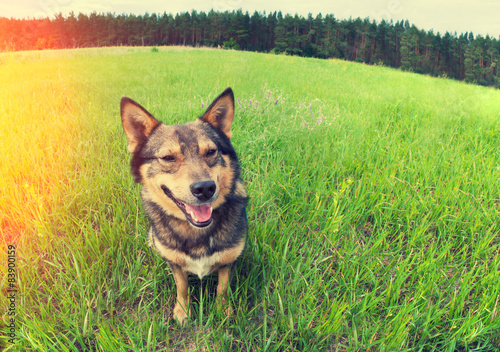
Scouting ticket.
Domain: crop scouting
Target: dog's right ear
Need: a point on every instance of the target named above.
(137, 123)
(220, 113)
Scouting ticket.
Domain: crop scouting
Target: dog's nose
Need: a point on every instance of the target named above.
(203, 190)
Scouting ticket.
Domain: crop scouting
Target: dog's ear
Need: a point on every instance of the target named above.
(137, 123)
(220, 113)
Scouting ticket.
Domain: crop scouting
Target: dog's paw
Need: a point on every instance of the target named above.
(229, 311)
(224, 306)
(181, 315)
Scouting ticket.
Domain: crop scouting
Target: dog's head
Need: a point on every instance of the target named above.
(185, 168)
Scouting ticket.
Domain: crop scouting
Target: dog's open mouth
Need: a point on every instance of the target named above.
(198, 215)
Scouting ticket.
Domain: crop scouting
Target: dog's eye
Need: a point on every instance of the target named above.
(211, 152)
(169, 158)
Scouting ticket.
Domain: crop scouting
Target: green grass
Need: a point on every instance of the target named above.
(373, 215)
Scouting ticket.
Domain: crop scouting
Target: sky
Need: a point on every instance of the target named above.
(478, 16)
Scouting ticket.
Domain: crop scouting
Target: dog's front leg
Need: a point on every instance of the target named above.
(182, 309)
(224, 277)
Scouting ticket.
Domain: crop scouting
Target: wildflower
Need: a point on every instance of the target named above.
(276, 103)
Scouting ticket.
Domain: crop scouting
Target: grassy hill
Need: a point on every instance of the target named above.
(373, 215)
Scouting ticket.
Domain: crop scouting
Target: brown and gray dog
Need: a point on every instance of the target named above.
(192, 192)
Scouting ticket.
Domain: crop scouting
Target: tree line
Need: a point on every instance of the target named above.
(395, 44)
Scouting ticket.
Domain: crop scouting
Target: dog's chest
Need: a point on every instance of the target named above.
(202, 266)
(199, 266)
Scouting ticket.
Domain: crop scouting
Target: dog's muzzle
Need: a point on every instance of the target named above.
(199, 215)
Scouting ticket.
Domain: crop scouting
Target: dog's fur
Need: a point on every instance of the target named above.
(192, 192)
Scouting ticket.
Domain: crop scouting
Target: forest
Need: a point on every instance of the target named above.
(398, 44)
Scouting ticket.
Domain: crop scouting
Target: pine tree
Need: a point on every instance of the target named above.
(470, 72)
(405, 50)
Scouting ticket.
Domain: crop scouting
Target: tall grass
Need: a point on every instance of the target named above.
(373, 213)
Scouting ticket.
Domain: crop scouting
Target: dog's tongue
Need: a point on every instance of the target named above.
(200, 213)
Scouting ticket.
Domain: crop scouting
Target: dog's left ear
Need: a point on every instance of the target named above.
(220, 113)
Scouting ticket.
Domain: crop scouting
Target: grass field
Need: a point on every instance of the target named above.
(374, 211)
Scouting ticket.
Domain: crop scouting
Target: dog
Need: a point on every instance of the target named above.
(192, 193)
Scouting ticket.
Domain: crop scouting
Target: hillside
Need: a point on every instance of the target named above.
(373, 213)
